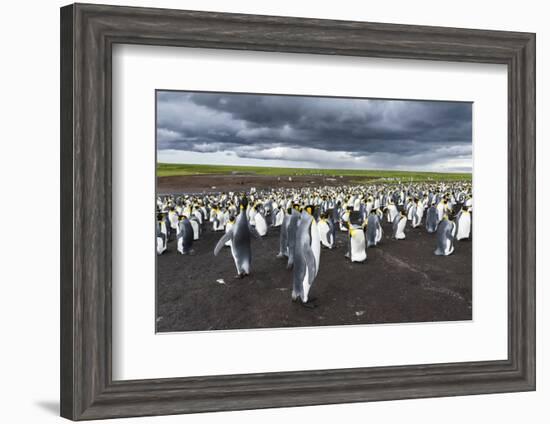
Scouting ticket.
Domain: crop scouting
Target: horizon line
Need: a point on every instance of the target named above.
(329, 169)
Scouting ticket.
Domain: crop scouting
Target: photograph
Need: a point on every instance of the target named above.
(280, 211)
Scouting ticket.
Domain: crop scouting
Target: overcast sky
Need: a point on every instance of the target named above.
(322, 132)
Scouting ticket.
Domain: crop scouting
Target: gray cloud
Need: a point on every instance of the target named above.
(323, 131)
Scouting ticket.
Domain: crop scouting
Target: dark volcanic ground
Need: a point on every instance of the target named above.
(214, 183)
(401, 281)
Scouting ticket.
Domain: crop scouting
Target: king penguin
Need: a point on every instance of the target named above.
(391, 211)
(162, 238)
(326, 231)
(279, 217)
(445, 237)
(283, 235)
(357, 251)
(184, 236)
(239, 234)
(230, 223)
(399, 224)
(291, 234)
(431, 219)
(306, 258)
(464, 224)
(374, 229)
(260, 222)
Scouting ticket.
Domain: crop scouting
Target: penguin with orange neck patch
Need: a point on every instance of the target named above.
(357, 251)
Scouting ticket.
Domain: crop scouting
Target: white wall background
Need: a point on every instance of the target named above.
(29, 164)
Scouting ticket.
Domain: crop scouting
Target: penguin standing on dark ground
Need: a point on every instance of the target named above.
(326, 231)
(399, 224)
(306, 259)
(185, 236)
(464, 224)
(357, 251)
(374, 229)
(240, 234)
(291, 234)
(283, 236)
(445, 237)
(431, 219)
(162, 236)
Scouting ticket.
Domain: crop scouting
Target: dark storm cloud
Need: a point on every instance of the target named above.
(259, 126)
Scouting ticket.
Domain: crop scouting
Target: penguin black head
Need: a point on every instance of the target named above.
(289, 210)
(244, 202)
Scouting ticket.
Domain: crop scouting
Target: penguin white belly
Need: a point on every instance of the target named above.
(305, 286)
(173, 218)
(180, 245)
(227, 228)
(164, 230)
(198, 215)
(415, 220)
(464, 227)
(261, 225)
(400, 233)
(345, 219)
(358, 252)
(252, 216)
(392, 213)
(440, 211)
(324, 229)
(279, 218)
(356, 204)
(378, 234)
(449, 248)
(160, 246)
(315, 244)
(237, 264)
(195, 226)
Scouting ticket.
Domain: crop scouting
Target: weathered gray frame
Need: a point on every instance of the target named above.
(88, 33)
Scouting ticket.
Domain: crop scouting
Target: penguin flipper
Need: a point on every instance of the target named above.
(225, 238)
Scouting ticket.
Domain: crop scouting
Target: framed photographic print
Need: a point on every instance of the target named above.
(263, 211)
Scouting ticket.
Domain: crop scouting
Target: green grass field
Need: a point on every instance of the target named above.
(168, 169)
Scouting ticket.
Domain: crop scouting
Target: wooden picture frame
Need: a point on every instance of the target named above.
(88, 33)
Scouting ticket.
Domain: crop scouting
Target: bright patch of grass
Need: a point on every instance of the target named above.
(169, 169)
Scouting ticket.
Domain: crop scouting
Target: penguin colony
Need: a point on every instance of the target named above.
(308, 219)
